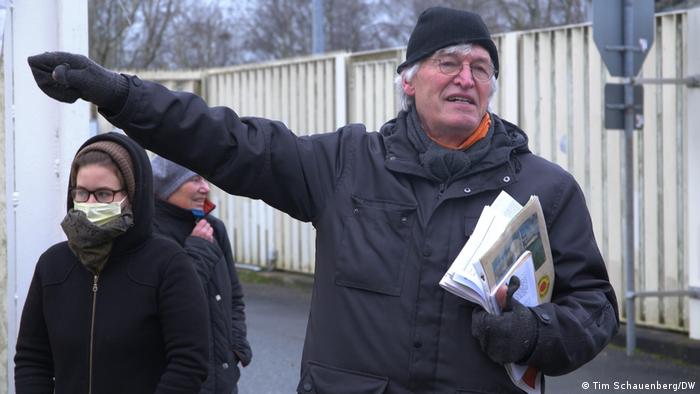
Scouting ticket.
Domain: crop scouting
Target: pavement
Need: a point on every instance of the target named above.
(277, 307)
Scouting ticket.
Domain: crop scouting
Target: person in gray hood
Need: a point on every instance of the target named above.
(392, 209)
(183, 214)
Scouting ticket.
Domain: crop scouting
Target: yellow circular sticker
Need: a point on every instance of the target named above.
(543, 286)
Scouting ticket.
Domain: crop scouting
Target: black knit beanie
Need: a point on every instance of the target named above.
(440, 27)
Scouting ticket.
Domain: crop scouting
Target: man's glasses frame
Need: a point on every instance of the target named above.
(481, 70)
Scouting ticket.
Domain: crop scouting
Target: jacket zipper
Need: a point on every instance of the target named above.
(92, 329)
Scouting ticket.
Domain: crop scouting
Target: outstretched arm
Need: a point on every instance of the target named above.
(252, 157)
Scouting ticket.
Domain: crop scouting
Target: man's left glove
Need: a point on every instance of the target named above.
(510, 337)
(67, 77)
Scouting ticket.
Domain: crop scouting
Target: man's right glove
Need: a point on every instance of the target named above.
(511, 336)
(67, 77)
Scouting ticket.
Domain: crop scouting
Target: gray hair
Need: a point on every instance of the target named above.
(409, 72)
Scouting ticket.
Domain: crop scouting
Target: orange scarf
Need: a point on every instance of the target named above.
(477, 135)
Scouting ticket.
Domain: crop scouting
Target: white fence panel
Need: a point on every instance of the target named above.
(300, 93)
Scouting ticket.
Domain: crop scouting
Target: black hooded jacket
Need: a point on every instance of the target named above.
(214, 264)
(146, 306)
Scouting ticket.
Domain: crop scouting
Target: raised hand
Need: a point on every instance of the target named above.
(67, 77)
(203, 230)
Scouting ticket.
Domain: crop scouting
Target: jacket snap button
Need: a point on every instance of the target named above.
(545, 317)
(224, 365)
(506, 179)
(404, 219)
(467, 190)
(218, 297)
(392, 157)
(307, 386)
(355, 211)
(426, 251)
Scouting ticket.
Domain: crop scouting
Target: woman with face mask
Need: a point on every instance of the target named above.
(113, 309)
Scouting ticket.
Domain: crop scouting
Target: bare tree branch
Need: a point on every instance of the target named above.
(196, 33)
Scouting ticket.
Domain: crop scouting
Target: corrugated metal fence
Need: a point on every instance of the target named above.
(551, 84)
(302, 93)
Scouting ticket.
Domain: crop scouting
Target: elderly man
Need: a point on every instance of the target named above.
(392, 209)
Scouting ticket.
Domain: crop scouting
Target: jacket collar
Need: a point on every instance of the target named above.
(175, 212)
(181, 213)
(402, 155)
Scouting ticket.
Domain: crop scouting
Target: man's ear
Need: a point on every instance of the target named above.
(408, 87)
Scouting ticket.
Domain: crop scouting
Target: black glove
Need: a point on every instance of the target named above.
(67, 77)
(510, 337)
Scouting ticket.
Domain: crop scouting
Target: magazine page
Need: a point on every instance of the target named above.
(462, 278)
(467, 284)
(526, 232)
(526, 294)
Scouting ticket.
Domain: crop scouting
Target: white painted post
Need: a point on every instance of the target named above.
(341, 94)
(41, 138)
(508, 80)
(693, 172)
(73, 119)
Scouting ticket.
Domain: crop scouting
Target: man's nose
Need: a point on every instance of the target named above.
(465, 77)
(204, 187)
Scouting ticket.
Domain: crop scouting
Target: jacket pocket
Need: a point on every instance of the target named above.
(323, 379)
(375, 242)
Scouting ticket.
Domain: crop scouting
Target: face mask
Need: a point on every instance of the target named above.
(99, 212)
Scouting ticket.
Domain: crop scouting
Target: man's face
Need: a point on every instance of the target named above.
(450, 107)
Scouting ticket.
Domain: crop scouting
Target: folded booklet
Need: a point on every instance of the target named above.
(508, 240)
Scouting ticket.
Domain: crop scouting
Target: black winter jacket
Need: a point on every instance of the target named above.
(214, 264)
(148, 313)
(386, 233)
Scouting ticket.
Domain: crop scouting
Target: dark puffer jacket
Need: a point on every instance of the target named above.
(214, 264)
(148, 309)
(386, 233)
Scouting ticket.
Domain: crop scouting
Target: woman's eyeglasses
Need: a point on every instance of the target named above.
(103, 195)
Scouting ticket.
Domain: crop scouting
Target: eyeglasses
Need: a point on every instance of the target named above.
(481, 70)
(79, 194)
